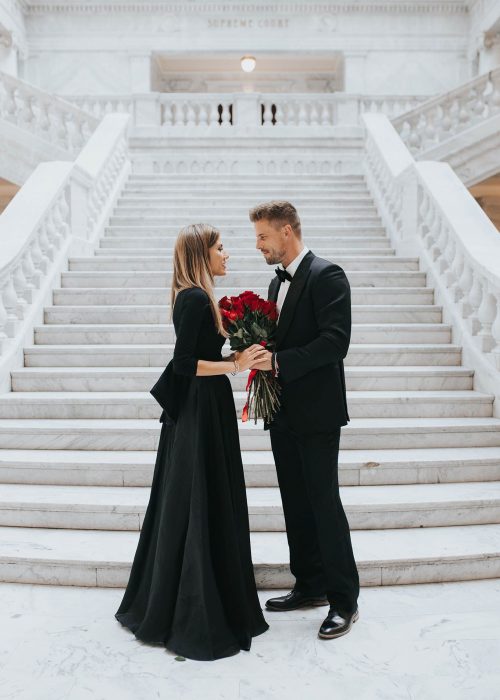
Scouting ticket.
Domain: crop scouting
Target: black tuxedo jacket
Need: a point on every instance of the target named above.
(313, 336)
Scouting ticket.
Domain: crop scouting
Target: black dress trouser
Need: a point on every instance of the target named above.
(321, 556)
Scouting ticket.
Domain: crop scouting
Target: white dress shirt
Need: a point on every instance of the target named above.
(291, 269)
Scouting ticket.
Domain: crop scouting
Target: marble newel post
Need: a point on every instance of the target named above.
(146, 104)
(246, 111)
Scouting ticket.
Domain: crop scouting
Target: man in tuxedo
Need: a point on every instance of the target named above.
(314, 329)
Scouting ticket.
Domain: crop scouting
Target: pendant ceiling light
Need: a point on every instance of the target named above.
(248, 63)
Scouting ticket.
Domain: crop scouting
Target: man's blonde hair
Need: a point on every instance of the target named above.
(279, 213)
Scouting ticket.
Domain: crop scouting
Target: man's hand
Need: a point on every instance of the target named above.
(264, 363)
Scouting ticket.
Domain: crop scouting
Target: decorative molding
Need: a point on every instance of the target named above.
(5, 37)
(292, 8)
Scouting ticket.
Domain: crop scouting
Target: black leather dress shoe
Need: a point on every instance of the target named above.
(337, 623)
(295, 600)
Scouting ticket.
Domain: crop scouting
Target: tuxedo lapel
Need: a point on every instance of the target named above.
(273, 290)
(293, 295)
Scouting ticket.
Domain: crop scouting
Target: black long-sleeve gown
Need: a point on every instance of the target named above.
(192, 586)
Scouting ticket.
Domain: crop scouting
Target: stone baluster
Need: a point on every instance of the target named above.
(280, 115)
(314, 119)
(486, 315)
(267, 116)
(167, 114)
(303, 117)
(466, 281)
(475, 298)
(3, 319)
(456, 271)
(20, 285)
(204, 114)
(10, 103)
(30, 273)
(190, 114)
(38, 256)
(178, 113)
(226, 115)
(495, 333)
(213, 117)
(326, 118)
(10, 302)
(27, 115)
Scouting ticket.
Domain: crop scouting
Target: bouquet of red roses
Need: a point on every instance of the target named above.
(250, 319)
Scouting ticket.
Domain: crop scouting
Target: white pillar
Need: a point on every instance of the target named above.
(140, 72)
(246, 110)
(355, 71)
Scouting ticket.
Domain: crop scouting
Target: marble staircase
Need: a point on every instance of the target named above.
(420, 459)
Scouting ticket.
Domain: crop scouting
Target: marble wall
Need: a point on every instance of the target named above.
(108, 47)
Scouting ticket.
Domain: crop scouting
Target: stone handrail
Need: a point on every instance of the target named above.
(450, 114)
(58, 212)
(51, 118)
(209, 111)
(429, 212)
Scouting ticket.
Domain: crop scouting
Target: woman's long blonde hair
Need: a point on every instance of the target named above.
(192, 265)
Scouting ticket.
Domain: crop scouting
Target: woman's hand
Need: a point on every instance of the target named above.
(251, 356)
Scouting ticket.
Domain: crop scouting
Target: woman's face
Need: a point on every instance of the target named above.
(218, 259)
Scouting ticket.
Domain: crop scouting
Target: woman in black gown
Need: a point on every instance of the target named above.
(192, 586)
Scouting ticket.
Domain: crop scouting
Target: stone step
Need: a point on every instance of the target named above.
(251, 264)
(227, 222)
(239, 257)
(366, 507)
(383, 557)
(239, 212)
(361, 313)
(239, 200)
(244, 234)
(248, 195)
(143, 434)
(356, 467)
(235, 201)
(247, 184)
(337, 246)
(237, 281)
(433, 378)
(396, 296)
(369, 354)
(140, 404)
(157, 333)
(220, 179)
(268, 186)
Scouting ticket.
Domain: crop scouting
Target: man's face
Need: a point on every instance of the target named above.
(271, 240)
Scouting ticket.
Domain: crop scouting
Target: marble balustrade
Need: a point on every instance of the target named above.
(58, 212)
(450, 114)
(208, 111)
(44, 115)
(429, 212)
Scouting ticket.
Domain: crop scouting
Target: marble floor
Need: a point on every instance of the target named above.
(414, 642)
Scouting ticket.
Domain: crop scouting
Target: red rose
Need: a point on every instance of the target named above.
(253, 304)
(239, 308)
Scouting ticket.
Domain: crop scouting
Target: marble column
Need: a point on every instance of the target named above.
(140, 72)
(355, 71)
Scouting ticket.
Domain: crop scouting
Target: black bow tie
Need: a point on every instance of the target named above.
(283, 275)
